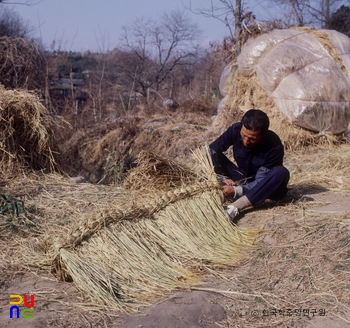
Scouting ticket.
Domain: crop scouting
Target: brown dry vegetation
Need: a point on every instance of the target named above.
(27, 134)
(300, 259)
(103, 151)
(51, 226)
(22, 64)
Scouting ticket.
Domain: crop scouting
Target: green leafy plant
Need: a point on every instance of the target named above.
(8, 203)
(12, 208)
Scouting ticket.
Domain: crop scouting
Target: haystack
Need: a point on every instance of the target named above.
(169, 224)
(22, 64)
(26, 133)
(299, 77)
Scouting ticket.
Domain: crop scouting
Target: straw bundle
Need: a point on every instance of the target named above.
(22, 64)
(156, 174)
(151, 242)
(26, 131)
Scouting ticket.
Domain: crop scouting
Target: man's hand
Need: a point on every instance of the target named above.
(229, 182)
(228, 190)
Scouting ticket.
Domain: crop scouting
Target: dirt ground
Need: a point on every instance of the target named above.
(296, 276)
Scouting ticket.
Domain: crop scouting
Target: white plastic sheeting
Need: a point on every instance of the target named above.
(303, 79)
(223, 78)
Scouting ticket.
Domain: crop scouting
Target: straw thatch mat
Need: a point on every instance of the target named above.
(27, 134)
(301, 259)
(150, 238)
(245, 92)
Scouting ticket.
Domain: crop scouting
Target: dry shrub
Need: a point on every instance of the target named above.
(102, 153)
(22, 64)
(198, 106)
(27, 133)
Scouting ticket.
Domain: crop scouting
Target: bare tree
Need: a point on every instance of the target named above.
(322, 10)
(295, 12)
(12, 24)
(225, 11)
(102, 39)
(20, 2)
(157, 48)
(340, 20)
(232, 14)
(307, 12)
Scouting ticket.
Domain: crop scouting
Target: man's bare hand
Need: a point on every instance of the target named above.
(228, 190)
(229, 182)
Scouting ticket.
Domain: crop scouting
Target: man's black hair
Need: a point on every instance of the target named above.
(256, 120)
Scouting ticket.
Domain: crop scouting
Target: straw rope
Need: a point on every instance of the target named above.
(326, 42)
(131, 211)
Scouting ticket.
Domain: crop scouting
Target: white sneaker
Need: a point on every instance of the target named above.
(232, 211)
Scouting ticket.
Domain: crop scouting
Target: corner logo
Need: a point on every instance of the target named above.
(27, 312)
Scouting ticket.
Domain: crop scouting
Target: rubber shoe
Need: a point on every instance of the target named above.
(232, 211)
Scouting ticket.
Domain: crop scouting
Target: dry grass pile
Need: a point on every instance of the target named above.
(246, 92)
(53, 204)
(153, 175)
(103, 154)
(27, 133)
(22, 64)
(100, 154)
(141, 245)
(324, 168)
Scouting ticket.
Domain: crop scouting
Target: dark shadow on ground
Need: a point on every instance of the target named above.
(296, 193)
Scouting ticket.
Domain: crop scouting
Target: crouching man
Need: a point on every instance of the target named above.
(258, 152)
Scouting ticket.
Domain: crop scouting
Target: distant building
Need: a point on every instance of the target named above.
(65, 88)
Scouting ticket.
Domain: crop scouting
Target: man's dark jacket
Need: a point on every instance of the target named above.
(267, 154)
